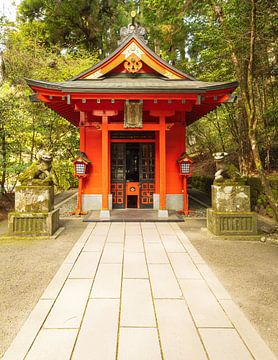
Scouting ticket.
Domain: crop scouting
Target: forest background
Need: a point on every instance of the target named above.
(213, 40)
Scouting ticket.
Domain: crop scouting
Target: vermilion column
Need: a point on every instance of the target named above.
(82, 147)
(105, 165)
(162, 164)
(82, 128)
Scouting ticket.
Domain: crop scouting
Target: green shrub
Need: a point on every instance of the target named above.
(64, 171)
(259, 200)
(202, 183)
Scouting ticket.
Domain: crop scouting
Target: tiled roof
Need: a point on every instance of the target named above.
(137, 84)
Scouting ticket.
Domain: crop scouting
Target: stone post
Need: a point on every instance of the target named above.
(231, 211)
(34, 213)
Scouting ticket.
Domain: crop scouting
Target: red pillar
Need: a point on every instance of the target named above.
(82, 147)
(82, 128)
(105, 164)
(162, 164)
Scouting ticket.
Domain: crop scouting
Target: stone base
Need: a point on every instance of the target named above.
(33, 224)
(163, 213)
(94, 202)
(231, 223)
(104, 214)
(173, 201)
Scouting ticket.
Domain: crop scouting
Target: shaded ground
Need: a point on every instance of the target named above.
(6, 204)
(249, 271)
(26, 269)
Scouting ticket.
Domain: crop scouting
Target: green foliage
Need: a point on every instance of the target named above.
(78, 24)
(63, 169)
(202, 183)
(259, 200)
(29, 127)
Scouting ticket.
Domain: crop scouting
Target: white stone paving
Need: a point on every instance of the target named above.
(136, 291)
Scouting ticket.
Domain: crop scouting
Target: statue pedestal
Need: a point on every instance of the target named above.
(34, 213)
(231, 211)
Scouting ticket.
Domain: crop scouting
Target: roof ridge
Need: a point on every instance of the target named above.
(122, 45)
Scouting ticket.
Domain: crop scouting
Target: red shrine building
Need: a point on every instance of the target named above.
(132, 109)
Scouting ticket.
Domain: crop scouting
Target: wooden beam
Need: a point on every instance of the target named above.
(165, 113)
(92, 105)
(105, 113)
(146, 127)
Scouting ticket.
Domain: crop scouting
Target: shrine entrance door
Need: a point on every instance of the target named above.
(132, 174)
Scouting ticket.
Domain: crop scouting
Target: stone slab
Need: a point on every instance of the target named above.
(203, 306)
(68, 309)
(139, 344)
(252, 339)
(33, 199)
(112, 253)
(97, 338)
(95, 243)
(172, 244)
(214, 284)
(107, 283)
(179, 337)
(53, 344)
(85, 266)
(156, 253)
(163, 282)
(137, 307)
(135, 265)
(183, 266)
(224, 344)
(134, 243)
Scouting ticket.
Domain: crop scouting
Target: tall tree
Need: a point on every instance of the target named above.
(247, 77)
(92, 24)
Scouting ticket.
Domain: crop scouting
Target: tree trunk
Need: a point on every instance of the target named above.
(252, 118)
(33, 138)
(4, 161)
(246, 80)
(265, 183)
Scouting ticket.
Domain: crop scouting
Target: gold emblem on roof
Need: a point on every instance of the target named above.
(133, 64)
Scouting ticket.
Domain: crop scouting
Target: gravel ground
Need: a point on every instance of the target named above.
(26, 269)
(249, 271)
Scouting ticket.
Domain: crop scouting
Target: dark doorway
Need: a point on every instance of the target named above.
(132, 162)
(131, 201)
(132, 174)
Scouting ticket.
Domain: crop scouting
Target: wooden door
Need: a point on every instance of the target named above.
(147, 174)
(118, 173)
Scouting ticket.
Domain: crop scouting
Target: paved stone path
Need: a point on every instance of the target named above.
(136, 291)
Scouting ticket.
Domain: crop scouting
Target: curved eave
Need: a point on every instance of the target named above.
(169, 86)
(50, 93)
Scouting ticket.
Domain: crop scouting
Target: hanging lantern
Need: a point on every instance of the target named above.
(81, 165)
(185, 165)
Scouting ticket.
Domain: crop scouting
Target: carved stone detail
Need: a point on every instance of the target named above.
(132, 28)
